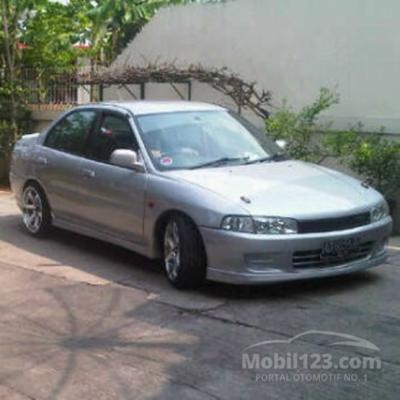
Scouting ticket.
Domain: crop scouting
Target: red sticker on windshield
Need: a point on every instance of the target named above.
(166, 161)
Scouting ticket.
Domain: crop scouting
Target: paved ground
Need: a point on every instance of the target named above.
(80, 319)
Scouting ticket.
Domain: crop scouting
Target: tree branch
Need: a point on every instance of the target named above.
(243, 94)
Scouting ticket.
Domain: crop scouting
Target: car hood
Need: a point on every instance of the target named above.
(291, 188)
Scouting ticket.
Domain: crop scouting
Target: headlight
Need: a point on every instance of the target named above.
(238, 224)
(260, 225)
(275, 225)
(379, 212)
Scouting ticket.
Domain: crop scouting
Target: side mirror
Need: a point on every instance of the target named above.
(127, 159)
(282, 144)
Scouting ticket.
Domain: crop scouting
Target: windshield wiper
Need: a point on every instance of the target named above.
(275, 157)
(219, 161)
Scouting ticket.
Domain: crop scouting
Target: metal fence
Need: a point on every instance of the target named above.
(55, 89)
(52, 89)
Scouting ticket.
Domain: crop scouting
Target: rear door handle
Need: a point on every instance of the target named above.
(88, 173)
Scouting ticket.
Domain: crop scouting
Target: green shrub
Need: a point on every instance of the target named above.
(10, 131)
(298, 129)
(369, 155)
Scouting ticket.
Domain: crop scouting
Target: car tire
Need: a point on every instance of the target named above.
(36, 214)
(183, 253)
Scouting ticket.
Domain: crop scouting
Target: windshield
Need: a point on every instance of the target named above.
(184, 140)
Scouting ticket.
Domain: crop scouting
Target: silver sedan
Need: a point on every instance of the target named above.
(200, 188)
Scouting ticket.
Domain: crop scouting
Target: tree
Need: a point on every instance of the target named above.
(13, 15)
(42, 34)
(50, 35)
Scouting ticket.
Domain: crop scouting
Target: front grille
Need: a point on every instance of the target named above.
(334, 224)
(312, 258)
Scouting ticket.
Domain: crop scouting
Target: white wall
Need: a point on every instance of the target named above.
(291, 47)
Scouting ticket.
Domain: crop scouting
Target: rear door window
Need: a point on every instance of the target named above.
(71, 132)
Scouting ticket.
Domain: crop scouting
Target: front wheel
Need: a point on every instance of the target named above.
(184, 255)
(36, 214)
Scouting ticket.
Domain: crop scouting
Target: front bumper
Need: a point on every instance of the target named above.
(255, 259)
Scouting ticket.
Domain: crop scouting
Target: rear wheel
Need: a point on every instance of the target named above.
(36, 214)
(184, 255)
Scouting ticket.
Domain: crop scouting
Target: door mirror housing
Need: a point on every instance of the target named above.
(282, 144)
(127, 159)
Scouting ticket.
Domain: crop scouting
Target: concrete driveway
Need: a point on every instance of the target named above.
(81, 319)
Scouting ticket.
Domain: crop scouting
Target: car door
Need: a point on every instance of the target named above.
(113, 196)
(58, 163)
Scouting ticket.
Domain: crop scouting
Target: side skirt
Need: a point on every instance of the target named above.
(83, 230)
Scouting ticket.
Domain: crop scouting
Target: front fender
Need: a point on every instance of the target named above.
(204, 207)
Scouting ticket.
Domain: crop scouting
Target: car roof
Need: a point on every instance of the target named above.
(156, 107)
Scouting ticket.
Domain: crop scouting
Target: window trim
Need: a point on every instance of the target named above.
(102, 114)
(88, 133)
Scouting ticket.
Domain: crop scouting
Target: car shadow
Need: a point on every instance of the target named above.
(116, 264)
(139, 348)
(133, 342)
(323, 286)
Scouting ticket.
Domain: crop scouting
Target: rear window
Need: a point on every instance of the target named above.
(70, 133)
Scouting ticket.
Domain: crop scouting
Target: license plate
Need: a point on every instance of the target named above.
(339, 248)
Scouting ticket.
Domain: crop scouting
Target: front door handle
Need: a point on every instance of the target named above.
(88, 173)
(42, 160)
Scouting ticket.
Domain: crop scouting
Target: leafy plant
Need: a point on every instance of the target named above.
(371, 156)
(10, 129)
(14, 117)
(298, 129)
(49, 35)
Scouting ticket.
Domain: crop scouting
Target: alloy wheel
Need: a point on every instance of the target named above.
(172, 253)
(32, 209)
